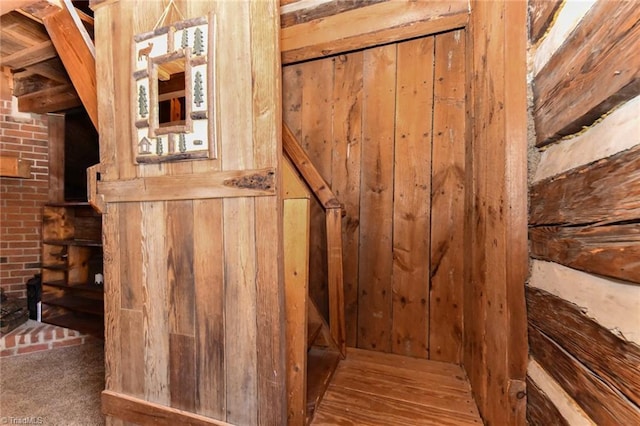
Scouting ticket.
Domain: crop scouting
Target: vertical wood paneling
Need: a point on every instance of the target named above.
(132, 347)
(180, 267)
(316, 139)
(56, 157)
(112, 296)
(155, 308)
(206, 298)
(495, 356)
(239, 222)
(376, 198)
(447, 192)
(182, 371)
(347, 136)
(292, 82)
(296, 270)
(267, 142)
(132, 352)
(180, 293)
(209, 295)
(515, 225)
(131, 264)
(411, 192)
(240, 311)
(381, 172)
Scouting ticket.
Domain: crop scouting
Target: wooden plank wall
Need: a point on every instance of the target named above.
(385, 127)
(495, 346)
(584, 291)
(194, 298)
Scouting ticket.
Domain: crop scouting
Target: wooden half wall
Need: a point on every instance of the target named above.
(194, 297)
(584, 291)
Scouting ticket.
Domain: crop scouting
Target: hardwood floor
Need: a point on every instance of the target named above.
(373, 388)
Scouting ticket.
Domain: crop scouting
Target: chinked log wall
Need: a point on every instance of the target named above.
(494, 247)
(585, 216)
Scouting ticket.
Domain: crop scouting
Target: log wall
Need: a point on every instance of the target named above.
(194, 296)
(584, 290)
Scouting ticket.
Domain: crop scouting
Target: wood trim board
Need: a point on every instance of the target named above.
(368, 26)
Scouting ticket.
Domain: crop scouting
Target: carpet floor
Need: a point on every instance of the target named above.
(55, 387)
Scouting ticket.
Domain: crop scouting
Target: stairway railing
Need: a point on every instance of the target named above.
(333, 212)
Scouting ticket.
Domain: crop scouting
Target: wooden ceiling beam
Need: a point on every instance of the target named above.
(77, 52)
(32, 84)
(56, 99)
(32, 55)
(52, 69)
(7, 6)
(368, 26)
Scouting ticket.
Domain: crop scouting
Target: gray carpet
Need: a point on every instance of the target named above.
(56, 387)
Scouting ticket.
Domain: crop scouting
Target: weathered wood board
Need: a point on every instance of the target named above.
(569, 92)
(611, 251)
(602, 403)
(612, 358)
(495, 347)
(194, 294)
(380, 168)
(600, 192)
(540, 409)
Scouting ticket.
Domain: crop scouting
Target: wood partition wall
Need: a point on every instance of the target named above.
(386, 127)
(493, 250)
(194, 302)
(193, 281)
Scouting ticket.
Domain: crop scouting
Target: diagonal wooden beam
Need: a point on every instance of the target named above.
(303, 163)
(77, 52)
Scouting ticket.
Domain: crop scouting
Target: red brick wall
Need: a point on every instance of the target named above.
(21, 200)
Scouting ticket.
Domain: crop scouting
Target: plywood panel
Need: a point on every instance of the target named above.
(376, 198)
(412, 197)
(447, 192)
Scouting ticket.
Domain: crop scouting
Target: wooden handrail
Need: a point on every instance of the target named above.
(303, 163)
(333, 211)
